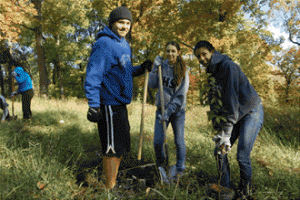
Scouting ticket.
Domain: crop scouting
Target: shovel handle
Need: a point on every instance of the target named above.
(162, 104)
(13, 107)
(13, 97)
(143, 115)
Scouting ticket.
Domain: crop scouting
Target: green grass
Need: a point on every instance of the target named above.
(47, 153)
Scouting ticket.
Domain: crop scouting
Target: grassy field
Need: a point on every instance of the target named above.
(39, 160)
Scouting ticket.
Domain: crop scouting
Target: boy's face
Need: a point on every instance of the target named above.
(121, 27)
(204, 56)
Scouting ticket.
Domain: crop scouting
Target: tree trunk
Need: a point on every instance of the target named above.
(61, 85)
(57, 66)
(287, 92)
(9, 78)
(41, 62)
(1, 81)
(81, 77)
(193, 97)
(40, 51)
(54, 75)
(59, 79)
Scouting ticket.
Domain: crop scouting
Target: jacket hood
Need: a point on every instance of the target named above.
(19, 70)
(216, 59)
(107, 32)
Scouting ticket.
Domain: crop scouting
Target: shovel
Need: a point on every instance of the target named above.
(165, 145)
(143, 116)
(13, 117)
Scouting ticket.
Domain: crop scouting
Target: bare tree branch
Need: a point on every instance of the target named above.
(24, 26)
(290, 38)
(141, 12)
(187, 45)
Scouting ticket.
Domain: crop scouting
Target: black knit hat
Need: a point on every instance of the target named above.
(119, 13)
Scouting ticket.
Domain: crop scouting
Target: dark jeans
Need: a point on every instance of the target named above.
(247, 129)
(178, 122)
(26, 103)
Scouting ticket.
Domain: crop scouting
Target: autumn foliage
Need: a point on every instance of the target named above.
(13, 14)
(60, 35)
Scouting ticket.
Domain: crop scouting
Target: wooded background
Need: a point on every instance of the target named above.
(53, 40)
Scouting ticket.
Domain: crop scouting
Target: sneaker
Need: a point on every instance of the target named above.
(163, 176)
(240, 195)
(174, 174)
(227, 194)
(245, 193)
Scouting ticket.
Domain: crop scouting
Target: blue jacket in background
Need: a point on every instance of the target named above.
(237, 94)
(23, 79)
(109, 73)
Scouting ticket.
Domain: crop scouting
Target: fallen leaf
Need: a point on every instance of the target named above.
(147, 190)
(41, 186)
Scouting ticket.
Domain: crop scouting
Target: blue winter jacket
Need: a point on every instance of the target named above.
(109, 73)
(23, 79)
(237, 94)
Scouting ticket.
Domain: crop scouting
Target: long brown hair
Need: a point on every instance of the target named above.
(179, 66)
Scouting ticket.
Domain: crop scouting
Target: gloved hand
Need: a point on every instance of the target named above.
(222, 141)
(13, 94)
(147, 65)
(14, 74)
(158, 60)
(165, 117)
(94, 114)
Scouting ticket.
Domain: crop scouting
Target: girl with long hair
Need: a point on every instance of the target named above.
(175, 87)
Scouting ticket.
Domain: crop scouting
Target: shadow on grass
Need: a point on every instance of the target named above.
(268, 180)
(284, 125)
(73, 147)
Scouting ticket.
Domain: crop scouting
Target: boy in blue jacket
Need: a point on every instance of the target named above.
(25, 89)
(243, 110)
(108, 87)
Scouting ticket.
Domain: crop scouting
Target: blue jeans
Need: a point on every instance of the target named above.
(178, 121)
(247, 130)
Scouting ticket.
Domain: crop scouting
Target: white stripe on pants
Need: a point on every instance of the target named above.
(110, 129)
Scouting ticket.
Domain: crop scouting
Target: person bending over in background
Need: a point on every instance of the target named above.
(175, 87)
(25, 89)
(243, 110)
(108, 87)
(4, 107)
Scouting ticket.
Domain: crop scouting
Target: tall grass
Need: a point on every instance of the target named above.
(39, 160)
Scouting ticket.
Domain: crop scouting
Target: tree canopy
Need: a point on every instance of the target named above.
(60, 34)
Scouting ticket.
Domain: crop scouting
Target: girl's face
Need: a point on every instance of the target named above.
(172, 53)
(204, 56)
